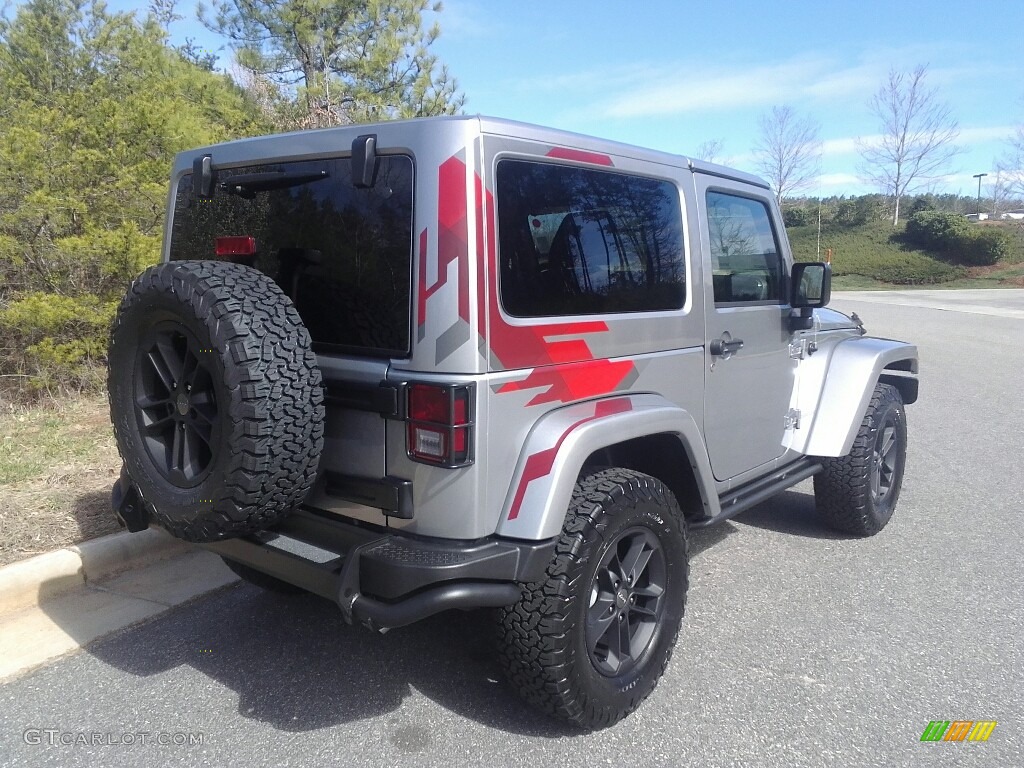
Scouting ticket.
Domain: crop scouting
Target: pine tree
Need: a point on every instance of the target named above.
(339, 61)
(93, 106)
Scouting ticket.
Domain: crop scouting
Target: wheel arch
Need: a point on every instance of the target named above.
(642, 432)
(854, 367)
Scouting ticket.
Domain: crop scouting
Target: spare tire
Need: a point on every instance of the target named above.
(215, 397)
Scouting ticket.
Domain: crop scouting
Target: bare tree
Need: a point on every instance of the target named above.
(917, 138)
(1011, 164)
(710, 150)
(788, 150)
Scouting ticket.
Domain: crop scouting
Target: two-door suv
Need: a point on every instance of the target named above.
(466, 363)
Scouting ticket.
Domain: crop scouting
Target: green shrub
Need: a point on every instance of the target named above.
(987, 247)
(936, 230)
(959, 241)
(796, 217)
(53, 341)
(851, 213)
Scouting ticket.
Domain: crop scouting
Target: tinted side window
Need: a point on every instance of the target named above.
(343, 254)
(745, 261)
(575, 241)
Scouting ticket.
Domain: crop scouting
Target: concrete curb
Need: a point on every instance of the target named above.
(29, 582)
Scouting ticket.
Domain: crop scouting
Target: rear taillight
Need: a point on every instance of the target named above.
(238, 245)
(440, 424)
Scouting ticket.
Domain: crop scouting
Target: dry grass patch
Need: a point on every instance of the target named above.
(57, 464)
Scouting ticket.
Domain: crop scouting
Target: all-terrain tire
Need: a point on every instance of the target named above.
(217, 351)
(262, 580)
(547, 639)
(857, 493)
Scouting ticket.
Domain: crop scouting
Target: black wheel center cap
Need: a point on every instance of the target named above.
(621, 598)
(182, 403)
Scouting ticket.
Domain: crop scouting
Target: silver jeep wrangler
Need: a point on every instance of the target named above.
(466, 362)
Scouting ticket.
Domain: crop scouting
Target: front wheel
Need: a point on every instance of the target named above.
(590, 642)
(857, 493)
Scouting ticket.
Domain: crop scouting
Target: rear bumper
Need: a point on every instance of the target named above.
(379, 578)
(385, 580)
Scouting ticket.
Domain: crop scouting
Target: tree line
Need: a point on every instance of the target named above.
(95, 103)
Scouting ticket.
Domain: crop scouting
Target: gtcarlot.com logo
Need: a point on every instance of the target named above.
(54, 737)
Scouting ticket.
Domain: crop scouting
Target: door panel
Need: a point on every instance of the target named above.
(749, 374)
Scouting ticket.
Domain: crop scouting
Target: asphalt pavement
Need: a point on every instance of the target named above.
(799, 647)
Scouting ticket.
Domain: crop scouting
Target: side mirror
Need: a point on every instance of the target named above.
(811, 285)
(810, 288)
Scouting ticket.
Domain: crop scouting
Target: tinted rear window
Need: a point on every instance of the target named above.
(344, 255)
(578, 241)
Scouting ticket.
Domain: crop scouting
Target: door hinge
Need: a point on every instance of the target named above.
(793, 419)
(797, 349)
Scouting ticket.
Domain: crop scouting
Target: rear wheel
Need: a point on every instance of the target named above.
(590, 642)
(857, 493)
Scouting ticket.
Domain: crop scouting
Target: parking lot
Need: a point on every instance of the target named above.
(799, 647)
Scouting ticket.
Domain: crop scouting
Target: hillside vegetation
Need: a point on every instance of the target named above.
(933, 249)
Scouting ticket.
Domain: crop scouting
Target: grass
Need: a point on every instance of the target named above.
(868, 257)
(57, 464)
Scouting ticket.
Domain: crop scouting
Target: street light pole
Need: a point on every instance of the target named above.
(979, 176)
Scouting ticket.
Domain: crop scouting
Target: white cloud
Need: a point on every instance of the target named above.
(995, 133)
(842, 180)
(684, 88)
(848, 145)
(669, 88)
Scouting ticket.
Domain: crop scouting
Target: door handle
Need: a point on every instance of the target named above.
(721, 347)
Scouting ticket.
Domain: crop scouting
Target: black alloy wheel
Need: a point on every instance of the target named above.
(176, 404)
(626, 601)
(885, 459)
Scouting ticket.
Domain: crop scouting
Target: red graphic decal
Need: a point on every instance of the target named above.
(452, 238)
(481, 288)
(421, 301)
(540, 464)
(563, 367)
(573, 381)
(562, 153)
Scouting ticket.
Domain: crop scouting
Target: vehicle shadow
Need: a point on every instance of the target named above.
(792, 512)
(294, 664)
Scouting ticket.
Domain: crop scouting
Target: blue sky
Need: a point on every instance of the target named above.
(673, 74)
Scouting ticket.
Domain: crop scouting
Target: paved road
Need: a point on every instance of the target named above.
(799, 648)
(1008, 302)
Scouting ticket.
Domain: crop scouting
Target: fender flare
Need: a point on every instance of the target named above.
(855, 366)
(560, 442)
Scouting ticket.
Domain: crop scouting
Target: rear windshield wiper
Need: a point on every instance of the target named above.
(248, 184)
